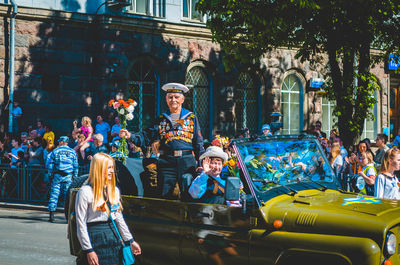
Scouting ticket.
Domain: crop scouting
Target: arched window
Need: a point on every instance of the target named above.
(292, 104)
(246, 107)
(144, 87)
(198, 98)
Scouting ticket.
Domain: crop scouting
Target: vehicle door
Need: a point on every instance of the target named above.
(214, 234)
(155, 224)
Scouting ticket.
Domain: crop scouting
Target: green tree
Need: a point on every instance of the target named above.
(344, 31)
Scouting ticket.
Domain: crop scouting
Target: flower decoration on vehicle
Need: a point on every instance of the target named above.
(125, 111)
(220, 141)
(233, 166)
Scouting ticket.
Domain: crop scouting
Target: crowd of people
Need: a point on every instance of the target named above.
(182, 165)
(374, 173)
(33, 146)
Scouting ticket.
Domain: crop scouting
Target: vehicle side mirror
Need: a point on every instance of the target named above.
(232, 188)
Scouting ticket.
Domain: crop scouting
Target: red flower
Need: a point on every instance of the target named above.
(130, 101)
(121, 101)
(126, 105)
(111, 102)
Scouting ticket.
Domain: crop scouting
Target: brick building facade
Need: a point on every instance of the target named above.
(69, 64)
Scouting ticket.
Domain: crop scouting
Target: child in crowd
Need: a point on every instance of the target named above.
(81, 140)
(335, 158)
(368, 172)
(20, 162)
(386, 184)
(87, 131)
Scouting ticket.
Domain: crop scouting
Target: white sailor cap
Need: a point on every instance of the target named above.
(175, 88)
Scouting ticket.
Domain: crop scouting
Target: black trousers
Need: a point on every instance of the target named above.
(172, 169)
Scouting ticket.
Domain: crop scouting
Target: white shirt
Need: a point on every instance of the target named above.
(386, 187)
(85, 214)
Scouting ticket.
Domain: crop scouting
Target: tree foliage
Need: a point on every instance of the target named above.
(343, 30)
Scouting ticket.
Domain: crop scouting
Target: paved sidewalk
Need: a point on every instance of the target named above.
(28, 238)
(27, 206)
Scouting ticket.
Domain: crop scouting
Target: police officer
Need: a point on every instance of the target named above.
(64, 167)
(181, 142)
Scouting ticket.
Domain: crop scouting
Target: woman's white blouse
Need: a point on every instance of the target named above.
(85, 214)
(386, 187)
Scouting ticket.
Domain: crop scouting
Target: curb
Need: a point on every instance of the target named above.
(26, 206)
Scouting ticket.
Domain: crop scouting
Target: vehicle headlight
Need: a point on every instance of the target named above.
(391, 242)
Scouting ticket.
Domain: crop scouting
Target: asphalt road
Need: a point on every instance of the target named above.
(27, 238)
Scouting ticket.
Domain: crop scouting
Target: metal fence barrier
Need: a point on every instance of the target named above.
(27, 184)
(32, 183)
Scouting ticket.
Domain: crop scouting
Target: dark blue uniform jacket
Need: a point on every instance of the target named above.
(185, 135)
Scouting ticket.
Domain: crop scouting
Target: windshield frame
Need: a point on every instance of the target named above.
(263, 196)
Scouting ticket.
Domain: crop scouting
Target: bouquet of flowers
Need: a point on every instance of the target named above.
(233, 166)
(125, 111)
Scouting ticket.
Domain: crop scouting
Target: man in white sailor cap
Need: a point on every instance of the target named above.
(181, 142)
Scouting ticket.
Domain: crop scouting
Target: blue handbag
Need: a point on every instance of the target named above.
(127, 256)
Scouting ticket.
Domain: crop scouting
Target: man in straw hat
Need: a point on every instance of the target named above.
(181, 142)
(209, 187)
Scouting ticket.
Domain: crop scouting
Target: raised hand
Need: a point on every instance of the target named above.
(124, 134)
(206, 164)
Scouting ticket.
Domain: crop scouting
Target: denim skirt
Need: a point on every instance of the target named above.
(104, 242)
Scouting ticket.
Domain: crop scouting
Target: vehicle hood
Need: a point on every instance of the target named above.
(349, 203)
(332, 212)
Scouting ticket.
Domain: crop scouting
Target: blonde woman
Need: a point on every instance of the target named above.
(87, 131)
(386, 184)
(96, 203)
(335, 158)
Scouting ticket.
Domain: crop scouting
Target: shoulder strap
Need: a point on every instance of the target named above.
(368, 167)
(115, 226)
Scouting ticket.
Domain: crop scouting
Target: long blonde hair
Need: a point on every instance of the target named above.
(389, 155)
(86, 121)
(98, 180)
(335, 151)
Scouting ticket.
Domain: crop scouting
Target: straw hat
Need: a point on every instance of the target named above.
(215, 151)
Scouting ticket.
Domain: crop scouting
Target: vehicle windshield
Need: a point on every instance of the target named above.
(285, 160)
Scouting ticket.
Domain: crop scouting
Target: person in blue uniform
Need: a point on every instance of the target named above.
(64, 167)
(181, 142)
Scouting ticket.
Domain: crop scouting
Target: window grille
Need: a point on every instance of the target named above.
(292, 104)
(245, 96)
(197, 99)
(143, 88)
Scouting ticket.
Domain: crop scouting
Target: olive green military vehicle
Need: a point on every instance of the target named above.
(292, 212)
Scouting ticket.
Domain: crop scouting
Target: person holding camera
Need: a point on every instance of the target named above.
(35, 151)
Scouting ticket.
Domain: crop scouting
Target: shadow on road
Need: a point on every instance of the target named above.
(34, 219)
